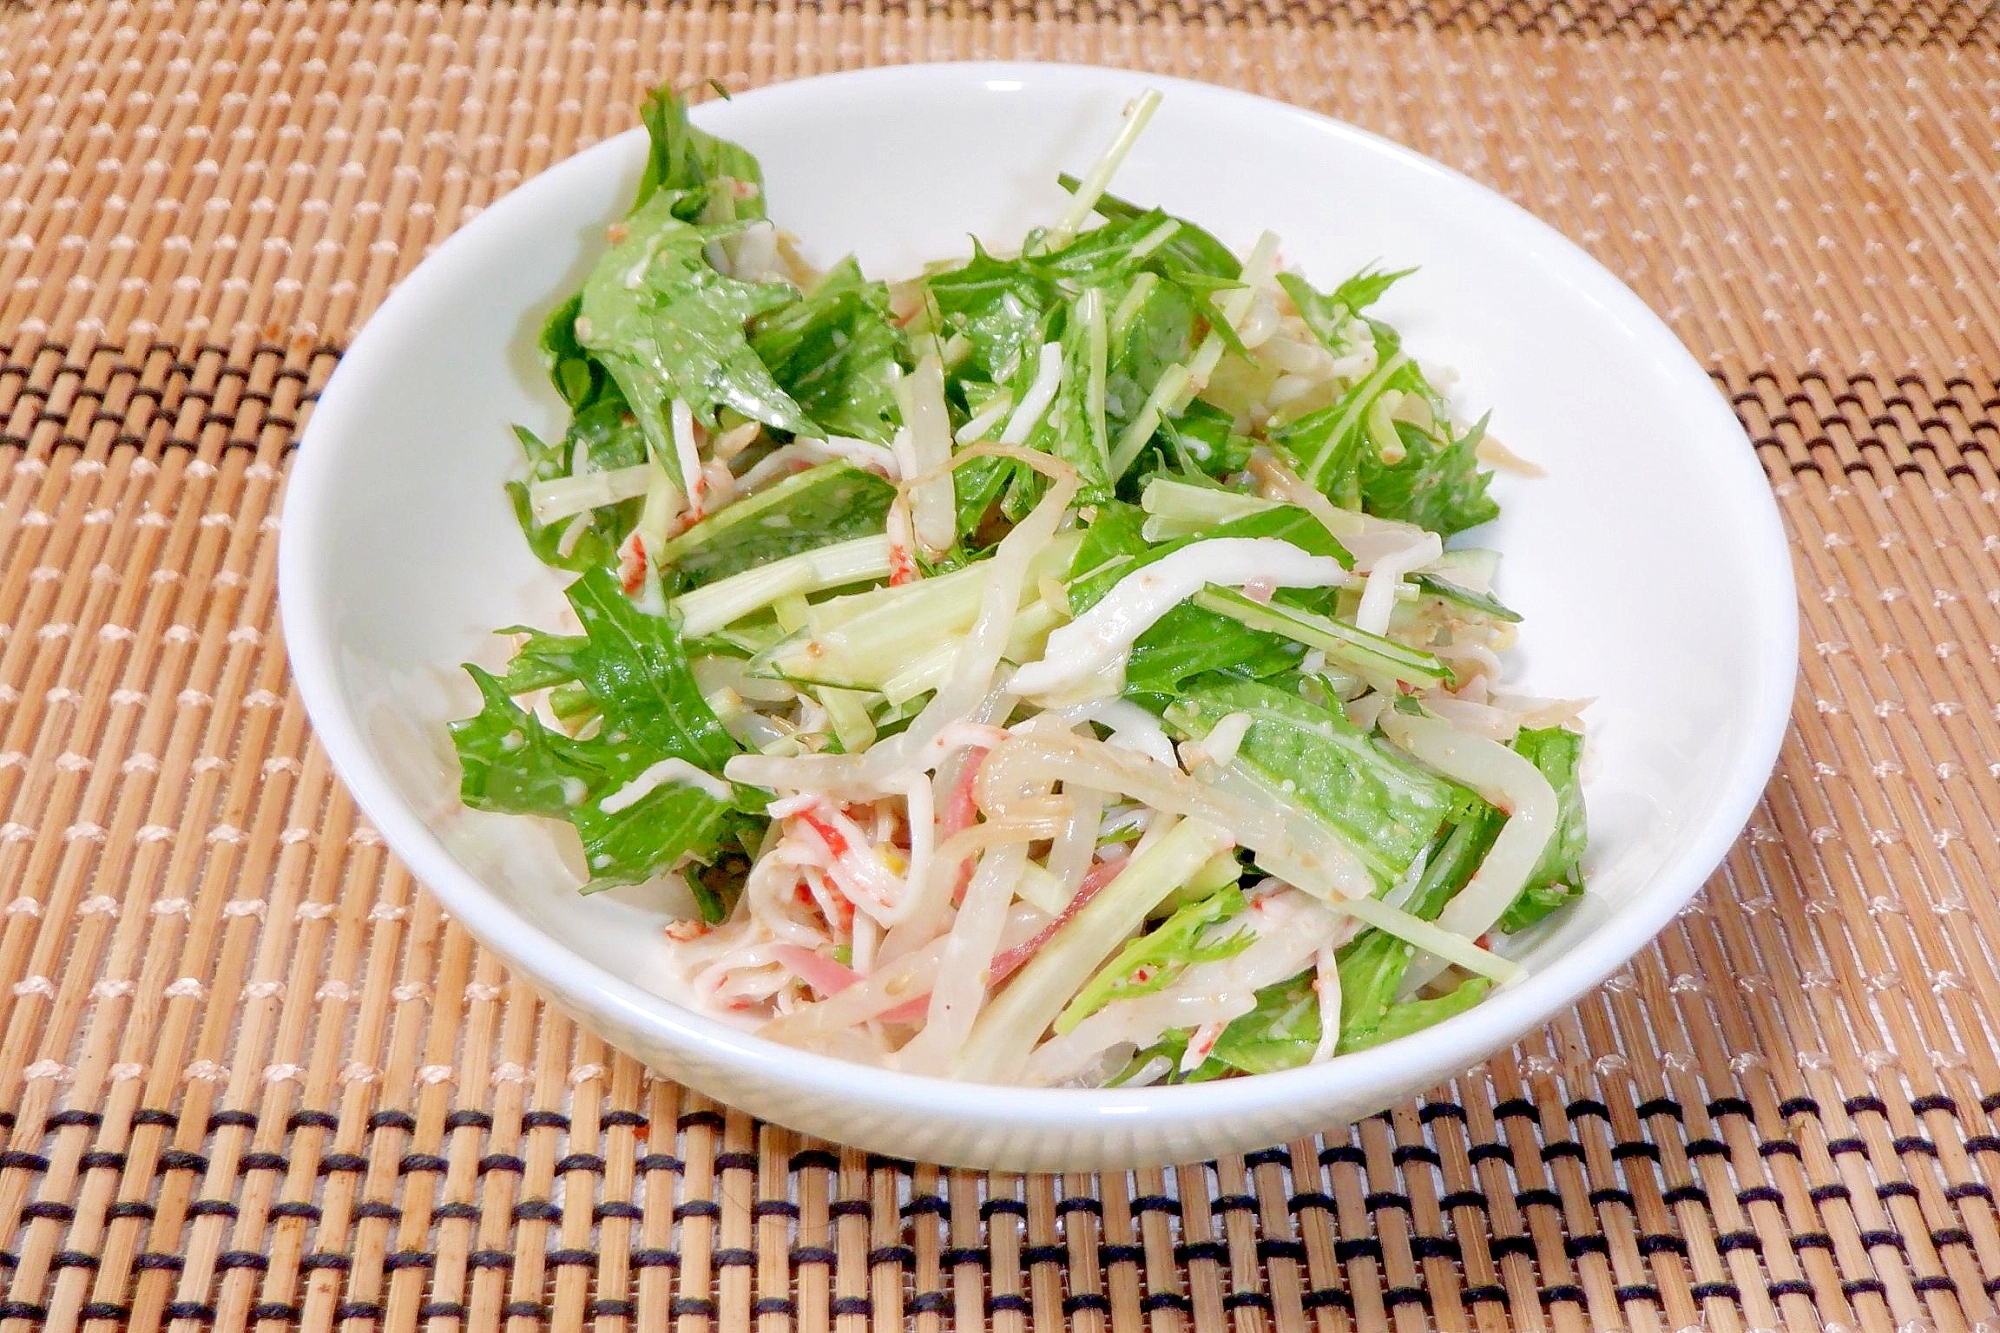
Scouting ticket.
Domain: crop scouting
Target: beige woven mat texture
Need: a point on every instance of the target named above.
(249, 1074)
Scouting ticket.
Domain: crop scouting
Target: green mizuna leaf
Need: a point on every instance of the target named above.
(1191, 249)
(693, 165)
(1557, 878)
(822, 505)
(1003, 307)
(1156, 959)
(1313, 760)
(837, 354)
(630, 667)
(667, 325)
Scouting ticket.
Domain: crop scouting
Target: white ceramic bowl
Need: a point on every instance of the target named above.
(1650, 563)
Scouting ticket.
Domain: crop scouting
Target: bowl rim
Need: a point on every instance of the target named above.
(1459, 1041)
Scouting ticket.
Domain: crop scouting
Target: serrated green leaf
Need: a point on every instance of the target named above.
(837, 354)
(832, 502)
(667, 325)
(634, 672)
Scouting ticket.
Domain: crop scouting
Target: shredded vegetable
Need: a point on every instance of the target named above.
(1060, 667)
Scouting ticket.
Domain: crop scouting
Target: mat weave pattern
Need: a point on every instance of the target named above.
(249, 1073)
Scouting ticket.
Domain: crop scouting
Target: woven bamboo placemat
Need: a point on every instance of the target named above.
(250, 1074)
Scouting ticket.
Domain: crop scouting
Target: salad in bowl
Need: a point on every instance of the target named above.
(1065, 665)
